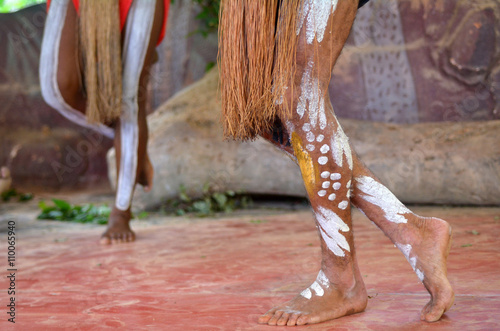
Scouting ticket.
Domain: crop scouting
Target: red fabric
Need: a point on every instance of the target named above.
(124, 8)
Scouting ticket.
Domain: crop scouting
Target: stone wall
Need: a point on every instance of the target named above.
(406, 61)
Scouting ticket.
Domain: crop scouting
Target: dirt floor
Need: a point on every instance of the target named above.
(222, 273)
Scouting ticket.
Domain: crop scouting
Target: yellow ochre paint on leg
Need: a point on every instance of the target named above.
(309, 170)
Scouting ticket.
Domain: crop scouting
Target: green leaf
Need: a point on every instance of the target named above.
(63, 205)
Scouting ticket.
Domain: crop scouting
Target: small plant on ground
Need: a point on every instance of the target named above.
(209, 203)
(64, 211)
(12, 193)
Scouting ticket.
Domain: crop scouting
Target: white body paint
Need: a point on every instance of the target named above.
(379, 195)
(49, 61)
(318, 286)
(329, 226)
(312, 100)
(139, 24)
(406, 250)
(343, 205)
(315, 14)
(340, 147)
(306, 293)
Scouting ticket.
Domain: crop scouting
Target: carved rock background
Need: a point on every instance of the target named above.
(407, 61)
(451, 163)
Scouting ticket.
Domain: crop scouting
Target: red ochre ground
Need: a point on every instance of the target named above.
(222, 273)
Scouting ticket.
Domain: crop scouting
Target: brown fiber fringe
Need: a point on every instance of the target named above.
(257, 41)
(99, 27)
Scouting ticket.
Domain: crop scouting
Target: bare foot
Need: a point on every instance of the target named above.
(427, 250)
(145, 176)
(118, 230)
(322, 301)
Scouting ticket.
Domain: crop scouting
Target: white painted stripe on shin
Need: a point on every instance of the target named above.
(330, 225)
(49, 62)
(139, 24)
(340, 147)
(406, 250)
(315, 14)
(311, 100)
(379, 195)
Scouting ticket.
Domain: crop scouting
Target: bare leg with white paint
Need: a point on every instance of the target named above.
(119, 230)
(325, 159)
(425, 241)
(332, 173)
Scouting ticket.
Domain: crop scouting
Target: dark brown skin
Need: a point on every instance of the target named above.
(70, 84)
(430, 238)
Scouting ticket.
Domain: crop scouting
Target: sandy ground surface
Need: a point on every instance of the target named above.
(221, 273)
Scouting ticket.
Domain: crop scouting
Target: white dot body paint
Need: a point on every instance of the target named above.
(315, 14)
(343, 205)
(317, 289)
(310, 147)
(340, 147)
(324, 149)
(322, 160)
(325, 185)
(335, 176)
(320, 138)
(325, 174)
(379, 195)
(332, 197)
(336, 186)
(306, 293)
(306, 127)
(406, 250)
(329, 225)
(322, 193)
(310, 137)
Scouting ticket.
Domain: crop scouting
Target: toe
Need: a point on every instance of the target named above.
(303, 320)
(283, 319)
(275, 318)
(292, 320)
(130, 237)
(105, 240)
(264, 319)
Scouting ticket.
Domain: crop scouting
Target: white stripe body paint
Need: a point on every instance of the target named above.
(406, 250)
(379, 195)
(49, 62)
(330, 225)
(315, 14)
(322, 279)
(139, 25)
(317, 289)
(306, 293)
(340, 147)
(312, 100)
(318, 286)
